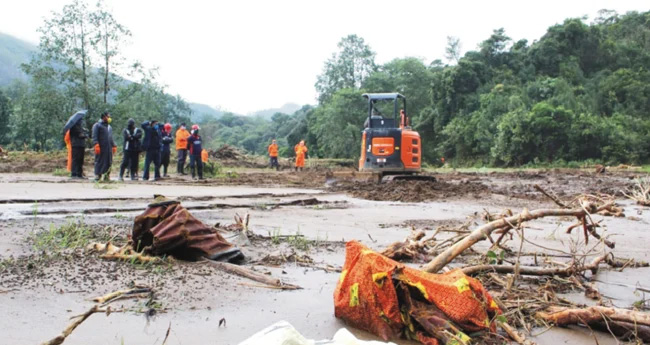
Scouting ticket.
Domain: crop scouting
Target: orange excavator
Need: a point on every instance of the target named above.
(390, 148)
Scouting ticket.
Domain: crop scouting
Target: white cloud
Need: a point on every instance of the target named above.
(251, 55)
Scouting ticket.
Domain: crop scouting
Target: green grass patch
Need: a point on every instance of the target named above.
(60, 172)
(74, 234)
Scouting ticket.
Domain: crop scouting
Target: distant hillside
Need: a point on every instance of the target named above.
(201, 111)
(13, 52)
(288, 108)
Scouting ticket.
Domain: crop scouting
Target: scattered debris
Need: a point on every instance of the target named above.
(640, 192)
(226, 152)
(506, 224)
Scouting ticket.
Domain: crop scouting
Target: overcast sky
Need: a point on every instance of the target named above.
(250, 55)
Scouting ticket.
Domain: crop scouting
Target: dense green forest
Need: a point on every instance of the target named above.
(581, 92)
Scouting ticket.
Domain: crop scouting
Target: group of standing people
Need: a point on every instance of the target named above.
(152, 138)
(301, 153)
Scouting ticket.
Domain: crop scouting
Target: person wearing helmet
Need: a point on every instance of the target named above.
(181, 148)
(195, 147)
(165, 153)
(131, 150)
(152, 143)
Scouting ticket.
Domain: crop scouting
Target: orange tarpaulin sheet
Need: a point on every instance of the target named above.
(68, 146)
(391, 300)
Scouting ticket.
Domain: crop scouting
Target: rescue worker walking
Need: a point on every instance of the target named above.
(301, 151)
(181, 148)
(131, 150)
(195, 148)
(104, 147)
(78, 135)
(152, 143)
(165, 153)
(273, 154)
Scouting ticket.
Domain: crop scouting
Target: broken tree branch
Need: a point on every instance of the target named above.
(514, 335)
(537, 271)
(74, 324)
(482, 232)
(250, 274)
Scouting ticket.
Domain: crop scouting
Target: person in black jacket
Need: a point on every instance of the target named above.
(194, 148)
(78, 135)
(131, 150)
(152, 143)
(104, 146)
(166, 151)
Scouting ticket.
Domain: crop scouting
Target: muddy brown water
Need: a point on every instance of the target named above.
(36, 307)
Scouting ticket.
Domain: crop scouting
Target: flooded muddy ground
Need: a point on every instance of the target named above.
(300, 225)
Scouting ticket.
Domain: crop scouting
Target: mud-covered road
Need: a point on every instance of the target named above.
(296, 216)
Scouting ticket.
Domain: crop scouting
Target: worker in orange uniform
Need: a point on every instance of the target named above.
(68, 146)
(273, 154)
(301, 151)
(181, 148)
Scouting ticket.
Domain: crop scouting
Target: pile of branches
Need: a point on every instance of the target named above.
(640, 192)
(226, 152)
(529, 295)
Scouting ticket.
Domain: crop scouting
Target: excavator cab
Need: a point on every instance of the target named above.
(389, 147)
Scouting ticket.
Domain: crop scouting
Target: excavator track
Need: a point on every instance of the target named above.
(407, 177)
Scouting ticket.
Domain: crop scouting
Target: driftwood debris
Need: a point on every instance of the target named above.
(120, 293)
(515, 335)
(621, 322)
(110, 251)
(537, 271)
(504, 224)
(250, 274)
(100, 307)
(640, 192)
(74, 324)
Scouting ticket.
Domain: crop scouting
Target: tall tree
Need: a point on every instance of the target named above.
(109, 36)
(453, 48)
(347, 68)
(66, 39)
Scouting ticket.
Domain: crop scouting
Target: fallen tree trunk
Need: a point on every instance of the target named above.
(482, 232)
(537, 271)
(621, 322)
(250, 274)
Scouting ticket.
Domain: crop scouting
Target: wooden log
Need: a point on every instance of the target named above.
(482, 232)
(567, 316)
(250, 274)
